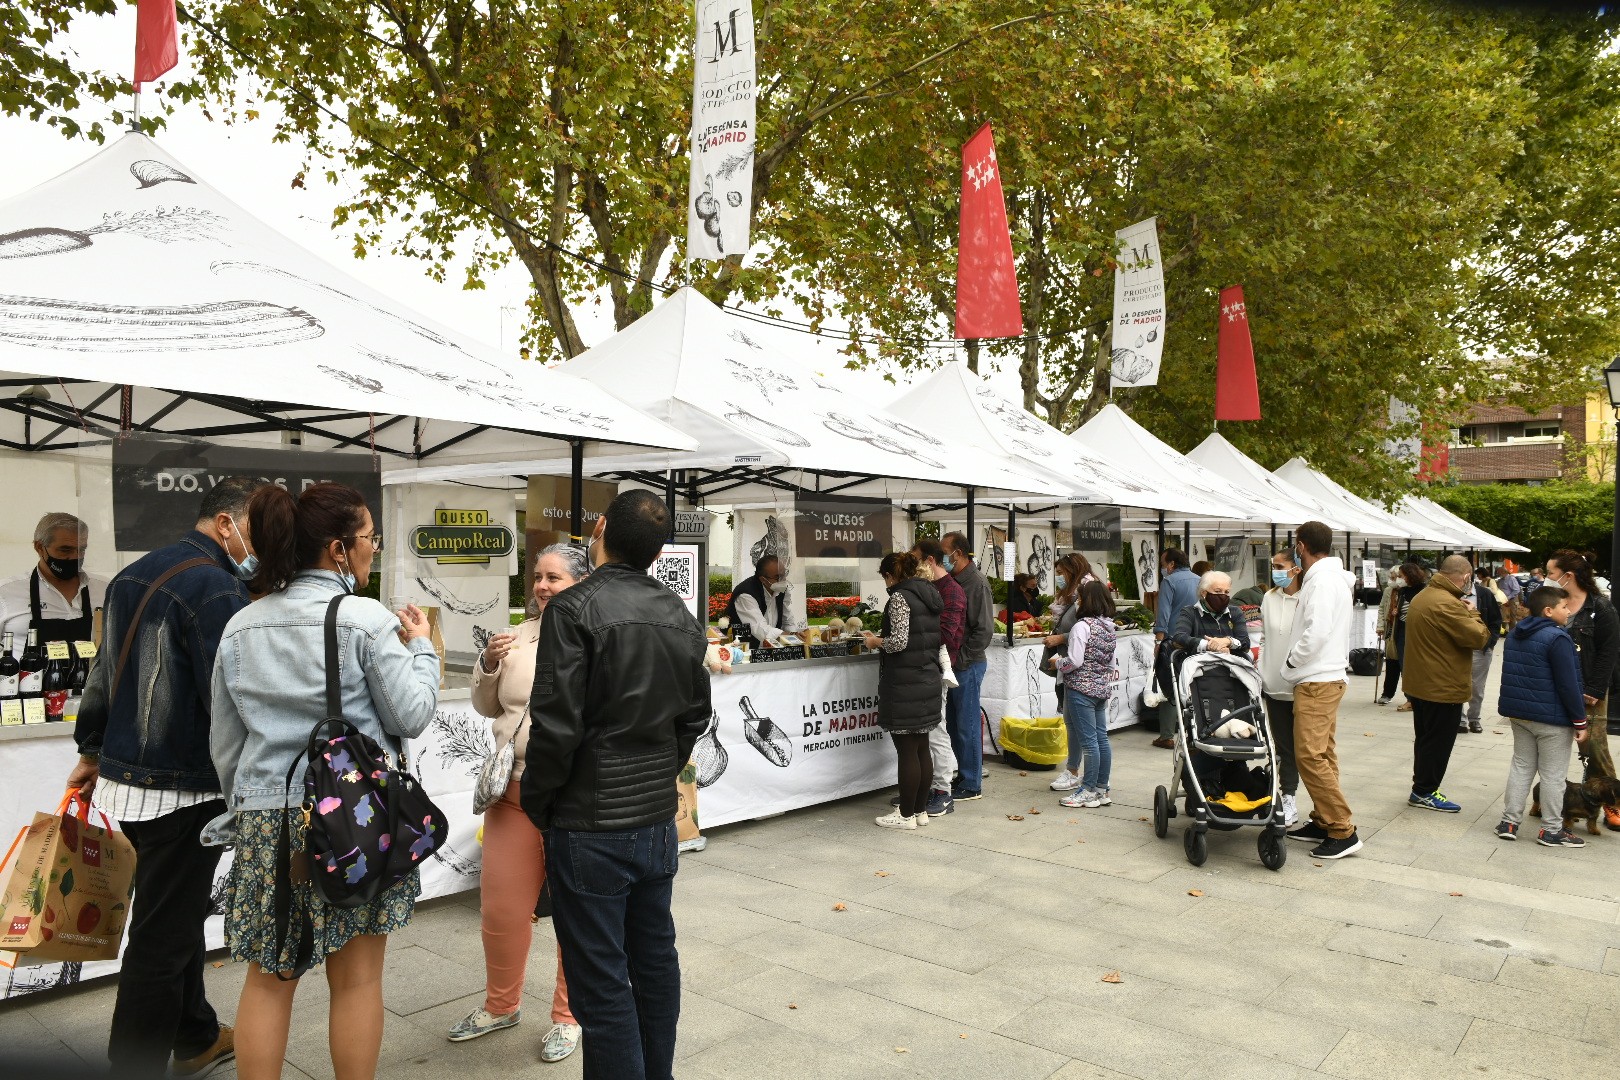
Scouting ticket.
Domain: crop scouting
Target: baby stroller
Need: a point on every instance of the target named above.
(1223, 756)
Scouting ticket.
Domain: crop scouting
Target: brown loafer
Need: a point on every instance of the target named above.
(223, 1050)
(1165, 744)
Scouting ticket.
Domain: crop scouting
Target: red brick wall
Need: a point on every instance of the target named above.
(1507, 461)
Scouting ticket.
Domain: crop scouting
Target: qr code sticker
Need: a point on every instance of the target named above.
(676, 574)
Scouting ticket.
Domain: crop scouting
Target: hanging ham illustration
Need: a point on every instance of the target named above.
(763, 735)
(709, 758)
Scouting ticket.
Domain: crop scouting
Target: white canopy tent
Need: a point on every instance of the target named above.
(764, 420)
(1114, 437)
(1219, 456)
(1477, 537)
(1374, 524)
(955, 400)
(131, 271)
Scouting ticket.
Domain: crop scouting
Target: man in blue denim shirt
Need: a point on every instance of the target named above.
(620, 698)
(144, 760)
(1178, 589)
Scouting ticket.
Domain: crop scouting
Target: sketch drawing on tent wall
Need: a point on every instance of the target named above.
(766, 381)
(759, 426)
(165, 226)
(1039, 561)
(1147, 564)
(851, 428)
(151, 173)
(708, 756)
(86, 326)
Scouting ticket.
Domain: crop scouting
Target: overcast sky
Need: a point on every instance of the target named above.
(243, 163)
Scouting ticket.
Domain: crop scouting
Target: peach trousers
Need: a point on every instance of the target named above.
(514, 870)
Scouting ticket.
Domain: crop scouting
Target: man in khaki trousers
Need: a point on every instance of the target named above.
(1318, 654)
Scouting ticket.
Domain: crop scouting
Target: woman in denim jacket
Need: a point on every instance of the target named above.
(269, 692)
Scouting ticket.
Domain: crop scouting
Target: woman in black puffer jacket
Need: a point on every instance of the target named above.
(909, 681)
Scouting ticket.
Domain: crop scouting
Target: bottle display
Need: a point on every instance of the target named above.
(10, 672)
(31, 680)
(82, 652)
(54, 684)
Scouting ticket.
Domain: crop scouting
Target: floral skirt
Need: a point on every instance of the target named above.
(250, 917)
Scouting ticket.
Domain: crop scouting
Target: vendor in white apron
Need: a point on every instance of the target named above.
(56, 597)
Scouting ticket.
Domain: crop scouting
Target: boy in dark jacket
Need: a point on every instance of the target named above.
(1541, 696)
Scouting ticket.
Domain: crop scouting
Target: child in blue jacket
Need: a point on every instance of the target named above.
(1542, 698)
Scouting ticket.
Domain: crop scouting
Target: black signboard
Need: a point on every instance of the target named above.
(1096, 528)
(159, 483)
(835, 527)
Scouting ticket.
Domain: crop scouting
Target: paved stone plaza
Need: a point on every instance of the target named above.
(977, 947)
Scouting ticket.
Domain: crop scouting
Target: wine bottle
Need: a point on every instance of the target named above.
(80, 671)
(10, 671)
(54, 683)
(32, 677)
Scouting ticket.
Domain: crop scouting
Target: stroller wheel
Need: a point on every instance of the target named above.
(1273, 852)
(1161, 811)
(1196, 845)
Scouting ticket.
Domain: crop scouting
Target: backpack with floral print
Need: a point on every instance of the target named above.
(366, 823)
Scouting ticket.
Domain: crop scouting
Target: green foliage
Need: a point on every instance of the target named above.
(1543, 519)
(42, 79)
(719, 584)
(825, 588)
(516, 597)
(998, 592)
(1123, 575)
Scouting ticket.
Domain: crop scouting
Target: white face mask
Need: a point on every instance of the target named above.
(779, 587)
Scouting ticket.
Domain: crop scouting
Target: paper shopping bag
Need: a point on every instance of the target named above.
(67, 886)
(686, 813)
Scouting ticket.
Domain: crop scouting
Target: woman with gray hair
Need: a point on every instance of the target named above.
(514, 850)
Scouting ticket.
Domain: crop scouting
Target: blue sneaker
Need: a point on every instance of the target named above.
(940, 804)
(962, 794)
(478, 1022)
(1436, 801)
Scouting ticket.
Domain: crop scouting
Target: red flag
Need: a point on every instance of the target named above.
(986, 279)
(1434, 454)
(157, 40)
(1237, 393)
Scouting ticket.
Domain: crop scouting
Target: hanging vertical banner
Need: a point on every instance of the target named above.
(1138, 306)
(986, 276)
(1237, 392)
(721, 200)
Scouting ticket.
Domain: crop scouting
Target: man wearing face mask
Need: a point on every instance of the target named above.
(144, 759)
(57, 597)
(759, 605)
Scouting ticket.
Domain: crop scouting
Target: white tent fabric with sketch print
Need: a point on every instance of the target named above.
(749, 393)
(130, 269)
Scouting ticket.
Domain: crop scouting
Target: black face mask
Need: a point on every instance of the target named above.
(64, 569)
(1216, 603)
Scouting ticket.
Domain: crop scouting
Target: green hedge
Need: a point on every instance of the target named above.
(1123, 575)
(1543, 519)
(719, 584)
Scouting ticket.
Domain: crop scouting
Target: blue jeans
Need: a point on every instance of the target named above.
(610, 897)
(1086, 719)
(962, 714)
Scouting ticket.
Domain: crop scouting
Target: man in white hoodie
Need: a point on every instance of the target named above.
(1318, 653)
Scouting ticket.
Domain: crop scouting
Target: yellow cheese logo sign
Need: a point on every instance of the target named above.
(461, 536)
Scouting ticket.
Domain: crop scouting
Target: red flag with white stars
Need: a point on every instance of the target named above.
(157, 40)
(1237, 390)
(986, 277)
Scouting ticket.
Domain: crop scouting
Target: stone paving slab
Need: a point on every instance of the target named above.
(978, 947)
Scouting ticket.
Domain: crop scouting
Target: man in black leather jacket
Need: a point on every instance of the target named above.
(620, 697)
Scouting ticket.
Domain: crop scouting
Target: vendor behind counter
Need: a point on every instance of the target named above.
(56, 597)
(759, 608)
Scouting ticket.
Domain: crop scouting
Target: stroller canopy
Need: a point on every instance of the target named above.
(1203, 663)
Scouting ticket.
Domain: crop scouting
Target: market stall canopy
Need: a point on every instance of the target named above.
(956, 400)
(751, 397)
(1113, 437)
(129, 269)
(1363, 518)
(1225, 460)
(1477, 537)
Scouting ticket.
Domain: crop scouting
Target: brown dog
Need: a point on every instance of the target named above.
(1584, 800)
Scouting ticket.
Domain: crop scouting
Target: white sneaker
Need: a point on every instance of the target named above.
(561, 1040)
(1290, 810)
(1077, 798)
(1066, 781)
(894, 819)
(921, 819)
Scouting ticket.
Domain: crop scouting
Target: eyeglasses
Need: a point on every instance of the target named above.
(376, 539)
